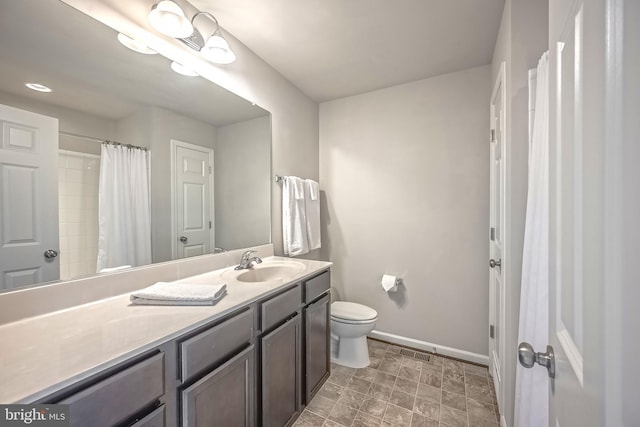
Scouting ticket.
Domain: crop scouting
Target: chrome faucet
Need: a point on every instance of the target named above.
(248, 261)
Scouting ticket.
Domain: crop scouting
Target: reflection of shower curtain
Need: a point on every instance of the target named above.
(124, 213)
(532, 385)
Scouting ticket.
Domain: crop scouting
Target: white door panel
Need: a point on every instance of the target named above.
(193, 199)
(577, 279)
(29, 201)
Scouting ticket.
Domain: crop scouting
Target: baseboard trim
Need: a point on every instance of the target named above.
(430, 347)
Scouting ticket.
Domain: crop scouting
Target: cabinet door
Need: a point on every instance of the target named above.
(317, 351)
(223, 398)
(281, 381)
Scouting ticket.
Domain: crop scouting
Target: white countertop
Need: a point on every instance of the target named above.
(44, 354)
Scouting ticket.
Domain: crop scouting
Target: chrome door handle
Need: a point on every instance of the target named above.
(183, 239)
(50, 254)
(493, 263)
(528, 357)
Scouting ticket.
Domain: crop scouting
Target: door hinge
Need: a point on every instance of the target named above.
(210, 170)
(492, 135)
(209, 225)
(492, 331)
(493, 233)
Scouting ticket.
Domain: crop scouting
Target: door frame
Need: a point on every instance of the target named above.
(621, 203)
(175, 143)
(498, 323)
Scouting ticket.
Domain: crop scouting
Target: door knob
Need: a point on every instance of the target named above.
(50, 254)
(183, 239)
(493, 263)
(528, 357)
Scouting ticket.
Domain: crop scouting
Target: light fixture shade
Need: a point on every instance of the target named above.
(135, 45)
(38, 87)
(181, 69)
(217, 50)
(168, 18)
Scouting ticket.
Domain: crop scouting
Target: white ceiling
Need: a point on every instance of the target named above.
(335, 48)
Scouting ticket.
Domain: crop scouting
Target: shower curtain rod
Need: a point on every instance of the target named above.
(102, 141)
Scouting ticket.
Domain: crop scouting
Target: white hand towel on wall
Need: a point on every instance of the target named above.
(312, 208)
(294, 222)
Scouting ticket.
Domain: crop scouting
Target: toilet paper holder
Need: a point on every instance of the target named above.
(390, 283)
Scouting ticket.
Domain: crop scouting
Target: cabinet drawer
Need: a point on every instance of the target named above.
(213, 345)
(120, 396)
(280, 307)
(154, 419)
(316, 286)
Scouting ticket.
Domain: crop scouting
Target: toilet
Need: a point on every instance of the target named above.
(350, 324)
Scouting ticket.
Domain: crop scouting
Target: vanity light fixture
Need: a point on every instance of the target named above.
(216, 49)
(181, 69)
(168, 18)
(38, 87)
(135, 45)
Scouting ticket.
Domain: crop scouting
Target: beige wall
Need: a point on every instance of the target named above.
(521, 41)
(69, 120)
(405, 180)
(242, 176)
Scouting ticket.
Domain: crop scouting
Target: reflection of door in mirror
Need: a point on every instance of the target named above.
(28, 225)
(192, 202)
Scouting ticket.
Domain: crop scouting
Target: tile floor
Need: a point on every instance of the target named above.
(400, 390)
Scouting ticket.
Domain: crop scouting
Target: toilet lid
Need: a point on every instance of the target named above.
(352, 311)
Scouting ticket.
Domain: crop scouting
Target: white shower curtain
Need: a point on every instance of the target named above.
(532, 385)
(124, 213)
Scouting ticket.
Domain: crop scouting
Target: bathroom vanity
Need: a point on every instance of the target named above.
(253, 359)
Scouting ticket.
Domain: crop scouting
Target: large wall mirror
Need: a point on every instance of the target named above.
(103, 91)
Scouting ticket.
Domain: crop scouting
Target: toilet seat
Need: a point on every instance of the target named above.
(351, 312)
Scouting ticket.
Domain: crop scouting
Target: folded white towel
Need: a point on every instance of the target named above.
(163, 293)
(312, 213)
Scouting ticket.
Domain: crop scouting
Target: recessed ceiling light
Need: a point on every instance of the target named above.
(37, 87)
(181, 69)
(135, 45)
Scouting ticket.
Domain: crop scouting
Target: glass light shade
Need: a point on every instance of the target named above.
(181, 69)
(168, 18)
(38, 87)
(217, 50)
(135, 45)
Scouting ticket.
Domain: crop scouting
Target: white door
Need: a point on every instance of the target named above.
(586, 200)
(497, 237)
(193, 201)
(29, 199)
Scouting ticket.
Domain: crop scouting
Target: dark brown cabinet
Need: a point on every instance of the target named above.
(317, 352)
(254, 367)
(120, 396)
(225, 397)
(281, 380)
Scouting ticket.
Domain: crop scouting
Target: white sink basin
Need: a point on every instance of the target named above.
(267, 272)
